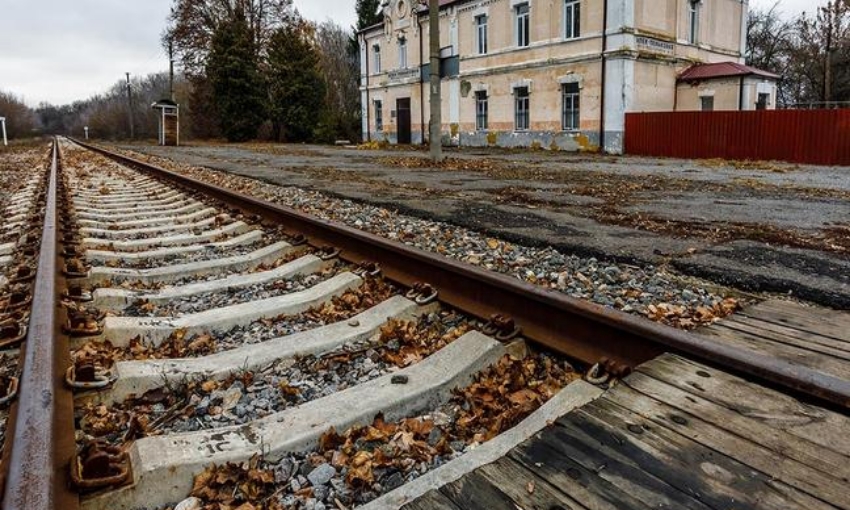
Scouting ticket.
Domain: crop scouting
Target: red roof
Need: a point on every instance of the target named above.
(722, 70)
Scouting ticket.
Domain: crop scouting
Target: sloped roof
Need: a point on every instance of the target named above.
(700, 72)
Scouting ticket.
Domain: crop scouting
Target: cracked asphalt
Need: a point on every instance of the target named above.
(759, 227)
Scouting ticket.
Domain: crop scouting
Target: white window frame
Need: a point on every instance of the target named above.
(522, 25)
(527, 116)
(481, 35)
(693, 21)
(402, 53)
(482, 118)
(573, 99)
(379, 115)
(376, 59)
(572, 12)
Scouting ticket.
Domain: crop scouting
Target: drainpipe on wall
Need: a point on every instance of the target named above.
(604, 73)
(368, 103)
(741, 96)
(421, 85)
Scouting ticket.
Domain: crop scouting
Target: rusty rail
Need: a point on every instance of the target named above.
(576, 328)
(42, 428)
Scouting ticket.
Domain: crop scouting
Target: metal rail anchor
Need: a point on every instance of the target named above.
(328, 253)
(367, 268)
(99, 466)
(77, 293)
(12, 332)
(422, 293)
(75, 268)
(88, 376)
(9, 387)
(502, 327)
(81, 324)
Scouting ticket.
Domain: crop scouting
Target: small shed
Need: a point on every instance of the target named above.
(726, 86)
(169, 121)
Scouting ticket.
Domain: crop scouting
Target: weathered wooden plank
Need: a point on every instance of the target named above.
(432, 500)
(792, 337)
(600, 448)
(813, 455)
(822, 321)
(573, 479)
(747, 451)
(774, 409)
(513, 479)
(714, 479)
(796, 332)
(474, 492)
(815, 361)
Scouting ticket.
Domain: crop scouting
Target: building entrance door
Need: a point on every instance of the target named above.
(404, 128)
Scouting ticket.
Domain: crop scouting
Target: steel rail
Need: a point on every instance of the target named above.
(578, 329)
(42, 428)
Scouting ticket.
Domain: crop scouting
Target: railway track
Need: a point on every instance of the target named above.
(195, 346)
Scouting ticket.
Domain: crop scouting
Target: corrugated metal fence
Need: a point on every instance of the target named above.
(801, 136)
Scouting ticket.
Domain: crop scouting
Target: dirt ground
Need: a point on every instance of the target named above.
(766, 227)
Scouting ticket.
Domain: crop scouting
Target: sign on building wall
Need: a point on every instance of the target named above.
(654, 45)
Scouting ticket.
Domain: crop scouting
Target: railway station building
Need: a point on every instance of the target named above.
(557, 74)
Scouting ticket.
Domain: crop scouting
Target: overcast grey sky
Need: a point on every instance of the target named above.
(60, 51)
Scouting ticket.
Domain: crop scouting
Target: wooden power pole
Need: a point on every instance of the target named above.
(436, 135)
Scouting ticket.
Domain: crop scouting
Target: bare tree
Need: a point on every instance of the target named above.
(20, 119)
(341, 72)
(819, 53)
(193, 23)
(768, 38)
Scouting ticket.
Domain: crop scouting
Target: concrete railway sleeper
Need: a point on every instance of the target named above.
(222, 350)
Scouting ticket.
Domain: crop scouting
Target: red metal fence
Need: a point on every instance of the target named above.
(819, 137)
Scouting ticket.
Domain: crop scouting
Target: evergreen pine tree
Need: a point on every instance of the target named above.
(237, 87)
(296, 87)
(367, 13)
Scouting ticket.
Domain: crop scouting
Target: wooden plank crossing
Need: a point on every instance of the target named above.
(816, 338)
(674, 435)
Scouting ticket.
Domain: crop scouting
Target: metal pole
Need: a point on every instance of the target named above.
(87, 132)
(130, 109)
(436, 141)
(170, 69)
(3, 122)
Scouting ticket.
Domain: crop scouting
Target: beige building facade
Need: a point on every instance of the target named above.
(557, 74)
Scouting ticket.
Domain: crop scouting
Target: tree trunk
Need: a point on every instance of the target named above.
(436, 141)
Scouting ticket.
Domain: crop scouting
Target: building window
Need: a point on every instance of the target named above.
(572, 19)
(707, 103)
(763, 101)
(376, 51)
(481, 34)
(522, 121)
(523, 26)
(570, 106)
(481, 109)
(693, 21)
(379, 115)
(402, 53)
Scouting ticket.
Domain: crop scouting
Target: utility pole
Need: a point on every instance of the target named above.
(170, 69)
(130, 109)
(436, 141)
